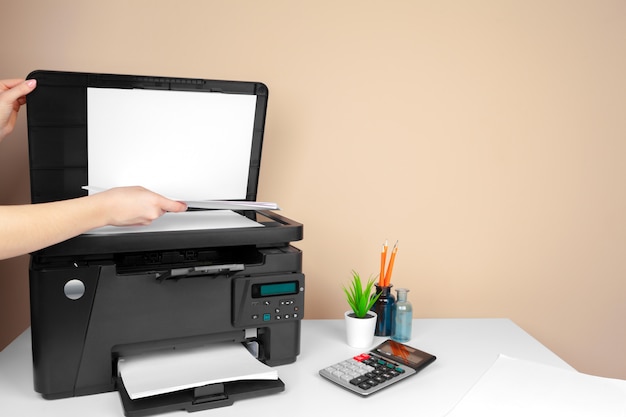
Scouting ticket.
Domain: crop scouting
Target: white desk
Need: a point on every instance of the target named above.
(465, 349)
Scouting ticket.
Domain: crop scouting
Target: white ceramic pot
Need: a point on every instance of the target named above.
(360, 331)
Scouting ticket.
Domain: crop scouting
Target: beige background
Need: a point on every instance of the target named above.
(487, 137)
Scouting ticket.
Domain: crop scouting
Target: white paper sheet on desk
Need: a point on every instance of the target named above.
(163, 372)
(514, 387)
(189, 220)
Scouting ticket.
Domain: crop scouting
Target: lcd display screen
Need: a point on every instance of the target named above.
(274, 289)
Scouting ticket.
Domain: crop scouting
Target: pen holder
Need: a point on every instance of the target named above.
(384, 308)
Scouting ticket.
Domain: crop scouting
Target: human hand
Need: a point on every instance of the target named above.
(130, 206)
(12, 97)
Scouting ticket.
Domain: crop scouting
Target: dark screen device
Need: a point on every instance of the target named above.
(386, 364)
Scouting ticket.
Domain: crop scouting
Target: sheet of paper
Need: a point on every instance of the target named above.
(196, 144)
(232, 205)
(209, 204)
(514, 387)
(189, 220)
(175, 370)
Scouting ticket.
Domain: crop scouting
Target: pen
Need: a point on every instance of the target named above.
(383, 260)
(391, 261)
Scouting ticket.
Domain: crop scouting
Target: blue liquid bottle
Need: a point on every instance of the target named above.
(403, 317)
(384, 308)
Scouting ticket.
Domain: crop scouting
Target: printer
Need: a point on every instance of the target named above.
(106, 295)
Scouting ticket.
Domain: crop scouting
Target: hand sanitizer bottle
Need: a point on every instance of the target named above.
(403, 317)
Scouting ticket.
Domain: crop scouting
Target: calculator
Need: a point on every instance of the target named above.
(386, 364)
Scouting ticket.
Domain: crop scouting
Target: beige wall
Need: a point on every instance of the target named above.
(488, 137)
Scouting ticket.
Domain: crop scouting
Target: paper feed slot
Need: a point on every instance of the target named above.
(177, 273)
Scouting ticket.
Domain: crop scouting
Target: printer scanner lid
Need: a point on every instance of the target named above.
(186, 138)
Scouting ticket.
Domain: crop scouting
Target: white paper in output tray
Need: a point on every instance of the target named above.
(174, 370)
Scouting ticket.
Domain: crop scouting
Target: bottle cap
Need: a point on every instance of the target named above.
(401, 293)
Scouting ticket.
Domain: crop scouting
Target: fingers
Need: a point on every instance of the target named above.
(10, 83)
(162, 206)
(173, 206)
(16, 89)
(134, 205)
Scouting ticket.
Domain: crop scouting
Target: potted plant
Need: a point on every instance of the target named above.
(360, 320)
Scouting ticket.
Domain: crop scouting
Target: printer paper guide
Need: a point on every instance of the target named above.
(175, 370)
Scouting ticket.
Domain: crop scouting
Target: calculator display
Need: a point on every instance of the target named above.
(403, 353)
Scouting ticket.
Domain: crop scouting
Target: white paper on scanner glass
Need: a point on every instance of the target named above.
(515, 387)
(163, 372)
(189, 220)
(208, 204)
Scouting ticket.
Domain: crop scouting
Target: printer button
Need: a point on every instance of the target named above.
(255, 316)
(267, 317)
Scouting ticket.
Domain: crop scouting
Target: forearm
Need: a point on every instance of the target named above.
(27, 228)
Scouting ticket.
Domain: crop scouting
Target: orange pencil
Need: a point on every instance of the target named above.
(383, 260)
(390, 268)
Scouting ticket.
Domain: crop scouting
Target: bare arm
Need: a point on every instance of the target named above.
(27, 228)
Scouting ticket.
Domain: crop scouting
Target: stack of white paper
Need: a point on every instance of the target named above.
(513, 387)
(174, 370)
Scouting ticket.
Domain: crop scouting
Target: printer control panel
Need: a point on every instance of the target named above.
(258, 301)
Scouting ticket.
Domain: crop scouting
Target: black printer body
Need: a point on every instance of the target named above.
(98, 297)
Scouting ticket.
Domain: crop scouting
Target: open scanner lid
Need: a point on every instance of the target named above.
(186, 138)
(189, 139)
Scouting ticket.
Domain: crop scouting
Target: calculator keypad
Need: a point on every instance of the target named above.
(366, 373)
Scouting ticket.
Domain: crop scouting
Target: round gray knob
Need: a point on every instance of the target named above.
(74, 289)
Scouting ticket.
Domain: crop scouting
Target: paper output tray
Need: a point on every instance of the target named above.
(201, 398)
